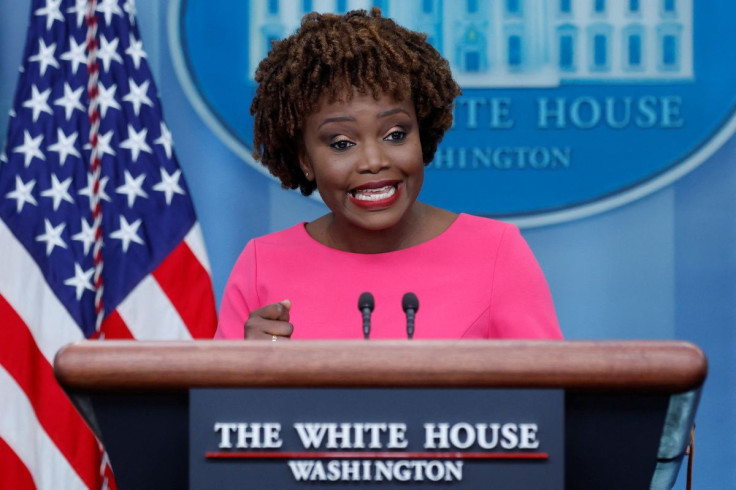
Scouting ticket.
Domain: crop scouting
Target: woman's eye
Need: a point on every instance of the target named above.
(396, 136)
(342, 144)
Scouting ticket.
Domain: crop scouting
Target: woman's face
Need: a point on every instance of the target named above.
(366, 158)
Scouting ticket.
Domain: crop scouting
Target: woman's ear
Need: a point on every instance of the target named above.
(304, 164)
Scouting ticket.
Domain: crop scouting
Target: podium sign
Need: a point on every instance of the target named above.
(628, 408)
(376, 438)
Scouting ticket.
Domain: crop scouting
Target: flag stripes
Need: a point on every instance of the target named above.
(22, 431)
(115, 328)
(23, 285)
(33, 375)
(13, 468)
(60, 434)
(183, 263)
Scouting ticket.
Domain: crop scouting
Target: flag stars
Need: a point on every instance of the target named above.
(59, 191)
(138, 95)
(65, 146)
(23, 193)
(103, 145)
(109, 8)
(80, 8)
(135, 51)
(130, 9)
(76, 55)
(30, 148)
(165, 140)
(127, 233)
(106, 98)
(70, 101)
(136, 142)
(169, 185)
(86, 236)
(81, 281)
(132, 188)
(51, 11)
(52, 236)
(38, 102)
(45, 56)
(108, 52)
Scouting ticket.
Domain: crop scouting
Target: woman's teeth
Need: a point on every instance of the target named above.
(375, 194)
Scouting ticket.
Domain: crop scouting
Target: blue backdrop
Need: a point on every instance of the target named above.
(661, 267)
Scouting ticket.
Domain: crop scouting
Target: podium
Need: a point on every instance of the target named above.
(628, 405)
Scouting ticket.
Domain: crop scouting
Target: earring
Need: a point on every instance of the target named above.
(306, 174)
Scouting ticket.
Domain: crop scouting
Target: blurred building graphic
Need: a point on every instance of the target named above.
(523, 43)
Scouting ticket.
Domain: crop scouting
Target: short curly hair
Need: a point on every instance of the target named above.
(335, 55)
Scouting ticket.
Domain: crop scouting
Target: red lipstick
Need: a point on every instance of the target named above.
(376, 195)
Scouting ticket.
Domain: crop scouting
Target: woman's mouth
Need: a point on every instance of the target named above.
(374, 195)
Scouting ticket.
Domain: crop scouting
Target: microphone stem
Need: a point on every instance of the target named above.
(366, 323)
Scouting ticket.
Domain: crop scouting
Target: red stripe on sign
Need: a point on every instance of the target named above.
(372, 455)
(13, 473)
(189, 288)
(115, 328)
(21, 357)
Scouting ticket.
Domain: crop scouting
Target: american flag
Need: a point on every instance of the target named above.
(98, 235)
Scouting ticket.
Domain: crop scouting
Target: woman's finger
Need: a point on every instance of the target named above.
(273, 311)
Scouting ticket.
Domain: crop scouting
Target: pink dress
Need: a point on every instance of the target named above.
(478, 279)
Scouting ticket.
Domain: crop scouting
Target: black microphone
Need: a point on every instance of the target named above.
(410, 304)
(366, 305)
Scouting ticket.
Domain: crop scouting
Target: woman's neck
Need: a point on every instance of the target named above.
(421, 224)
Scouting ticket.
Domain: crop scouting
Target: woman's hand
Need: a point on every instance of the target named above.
(270, 322)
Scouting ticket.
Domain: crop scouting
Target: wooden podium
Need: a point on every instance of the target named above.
(629, 405)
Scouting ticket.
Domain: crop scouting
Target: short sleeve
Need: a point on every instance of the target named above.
(521, 302)
(240, 296)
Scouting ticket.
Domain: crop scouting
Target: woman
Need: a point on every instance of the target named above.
(355, 106)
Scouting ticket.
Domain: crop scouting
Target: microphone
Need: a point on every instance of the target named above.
(366, 305)
(410, 304)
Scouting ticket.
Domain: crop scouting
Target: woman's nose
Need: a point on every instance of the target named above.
(373, 158)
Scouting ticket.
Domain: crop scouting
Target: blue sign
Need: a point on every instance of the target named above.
(376, 438)
(569, 107)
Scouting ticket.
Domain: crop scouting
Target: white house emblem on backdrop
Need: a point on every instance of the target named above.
(569, 107)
